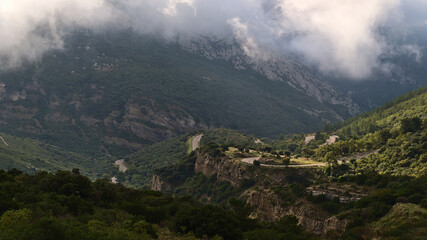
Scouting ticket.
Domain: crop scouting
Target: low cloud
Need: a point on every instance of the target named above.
(341, 37)
(247, 42)
(172, 5)
(29, 28)
(337, 35)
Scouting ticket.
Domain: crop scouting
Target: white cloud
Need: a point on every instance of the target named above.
(248, 43)
(412, 50)
(338, 36)
(171, 7)
(29, 28)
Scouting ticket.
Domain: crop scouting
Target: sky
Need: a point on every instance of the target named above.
(339, 37)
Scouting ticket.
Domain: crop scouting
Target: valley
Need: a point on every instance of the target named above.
(321, 182)
(213, 120)
(143, 135)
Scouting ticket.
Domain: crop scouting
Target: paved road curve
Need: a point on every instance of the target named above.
(196, 141)
(252, 159)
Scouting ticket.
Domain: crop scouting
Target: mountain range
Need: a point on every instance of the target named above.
(114, 93)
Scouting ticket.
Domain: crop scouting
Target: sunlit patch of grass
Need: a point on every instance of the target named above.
(190, 144)
(302, 161)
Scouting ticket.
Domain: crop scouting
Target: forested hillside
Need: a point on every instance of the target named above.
(395, 132)
(32, 156)
(398, 131)
(67, 205)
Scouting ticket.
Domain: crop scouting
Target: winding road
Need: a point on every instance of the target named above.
(196, 141)
(357, 156)
(252, 159)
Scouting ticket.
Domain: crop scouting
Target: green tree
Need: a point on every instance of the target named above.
(410, 124)
(384, 135)
(16, 224)
(331, 160)
(318, 136)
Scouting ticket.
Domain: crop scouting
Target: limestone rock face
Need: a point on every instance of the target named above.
(149, 122)
(225, 169)
(270, 65)
(159, 185)
(267, 207)
(134, 124)
(311, 220)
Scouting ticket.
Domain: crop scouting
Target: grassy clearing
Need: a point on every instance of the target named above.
(266, 158)
(190, 144)
(301, 161)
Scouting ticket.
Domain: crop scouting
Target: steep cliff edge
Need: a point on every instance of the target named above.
(267, 206)
(224, 168)
(159, 185)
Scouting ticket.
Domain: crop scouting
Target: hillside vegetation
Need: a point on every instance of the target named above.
(410, 105)
(143, 163)
(67, 205)
(398, 130)
(33, 156)
(404, 221)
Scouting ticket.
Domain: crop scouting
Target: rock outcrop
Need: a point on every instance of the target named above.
(267, 206)
(345, 193)
(225, 169)
(313, 221)
(159, 185)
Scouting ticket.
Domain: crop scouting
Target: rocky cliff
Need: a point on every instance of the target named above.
(270, 65)
(267, 206)
(224, 168)
(159, 185)
(133, 125)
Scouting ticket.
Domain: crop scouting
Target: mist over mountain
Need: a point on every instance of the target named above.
(338, 37)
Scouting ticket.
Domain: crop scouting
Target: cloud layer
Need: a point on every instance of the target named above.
(337, 36)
